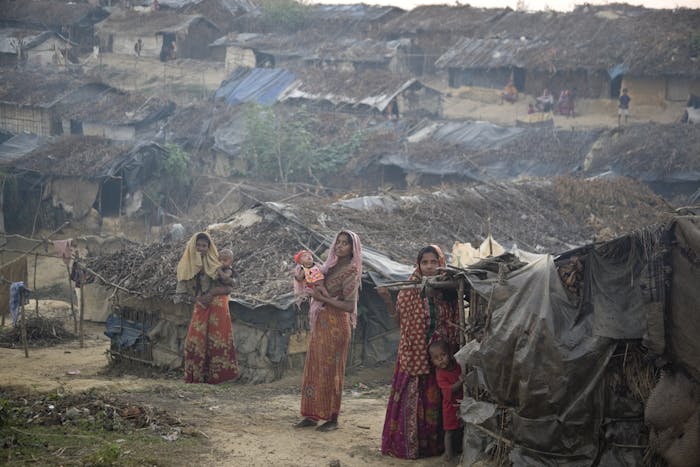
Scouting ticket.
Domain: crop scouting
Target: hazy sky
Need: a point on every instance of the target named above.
(563, 5)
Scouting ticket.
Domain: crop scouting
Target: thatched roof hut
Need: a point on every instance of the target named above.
(74, 21)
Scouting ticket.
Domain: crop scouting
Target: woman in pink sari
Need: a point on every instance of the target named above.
(332, 317)
(412, 427)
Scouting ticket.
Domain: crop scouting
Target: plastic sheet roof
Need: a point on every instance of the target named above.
(261, 85)
(19, 145)
(31, 39)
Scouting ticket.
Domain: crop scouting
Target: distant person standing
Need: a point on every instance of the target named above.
(623, 107)
(138, 46)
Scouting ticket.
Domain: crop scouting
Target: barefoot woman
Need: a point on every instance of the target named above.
(210, 354)
(412, 427)
(331, 317)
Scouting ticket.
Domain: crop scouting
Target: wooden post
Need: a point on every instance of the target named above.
(473, 306)
(460, 303)
(82, 309)
(36, 300)
(23, 325)
(72, 308)
(38, 208)
(119, 214)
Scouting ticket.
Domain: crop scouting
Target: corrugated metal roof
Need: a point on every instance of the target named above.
(261, 85)
(373, 88)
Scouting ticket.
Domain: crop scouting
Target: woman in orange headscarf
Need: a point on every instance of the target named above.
(412, 427)
(210, 353)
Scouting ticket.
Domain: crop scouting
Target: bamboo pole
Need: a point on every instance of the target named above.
(72, 307)
(23, 324)
(82, 310)
(36, 300)
(38, 207)
(460, 304)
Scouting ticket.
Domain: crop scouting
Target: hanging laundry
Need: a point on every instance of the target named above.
(19, 295)
(63, 248)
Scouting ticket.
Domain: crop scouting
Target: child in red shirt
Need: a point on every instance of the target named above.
(449, 379)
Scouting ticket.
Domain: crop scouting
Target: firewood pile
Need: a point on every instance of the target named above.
(263, 258)
(41, 331)
(536, 218)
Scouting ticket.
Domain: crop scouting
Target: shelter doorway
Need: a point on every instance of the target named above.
(616, 86)
(519, 78)
(263, 60)
(109, 200)
(167, 51)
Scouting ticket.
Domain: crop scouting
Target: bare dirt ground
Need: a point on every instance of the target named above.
(237, 424)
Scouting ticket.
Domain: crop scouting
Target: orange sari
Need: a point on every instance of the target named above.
(210, 353)
(324, 369)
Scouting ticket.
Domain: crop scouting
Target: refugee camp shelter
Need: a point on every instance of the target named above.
(223, 13)
(28, 101)
(370, 91)
(73, 21)
(432, 29)
(357, 19)
(159, 31)
(439, 151)
(635, 153)
(564, 353)
(486, 47)
(311, 48)
(100, 110)
(148, 325)
(73, 176)
(261, 85)
(20, 47)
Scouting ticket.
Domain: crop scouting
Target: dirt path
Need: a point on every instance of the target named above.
(247, 425)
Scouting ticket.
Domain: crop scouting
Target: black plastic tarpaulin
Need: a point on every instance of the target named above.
(545, 355)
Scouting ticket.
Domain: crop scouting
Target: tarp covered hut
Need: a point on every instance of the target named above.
(260, 85)
(159, 32)
(371, 91)
(441, 151)
(635, 152)
(73, 21)
(270, 331)
(268, 328)
(27, 47)
(74, 176)
(565, 353)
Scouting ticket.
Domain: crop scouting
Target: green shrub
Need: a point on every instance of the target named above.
(285, 15)
(289, 150)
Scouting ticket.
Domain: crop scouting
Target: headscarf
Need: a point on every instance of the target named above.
(332, 260)
(413, 354)
(417, 274)
(192, 262)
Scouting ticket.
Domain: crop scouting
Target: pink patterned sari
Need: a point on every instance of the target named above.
(413, 423)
